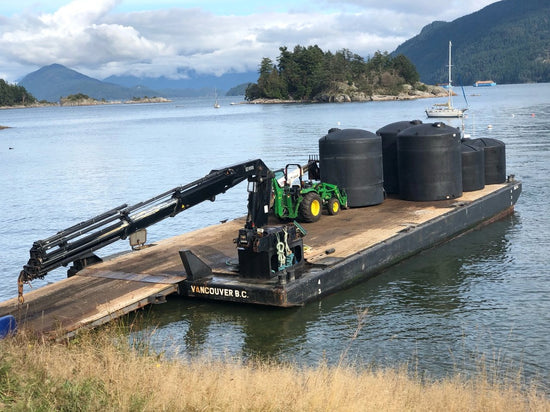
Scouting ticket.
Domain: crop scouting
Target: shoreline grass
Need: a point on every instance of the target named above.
(102, 370)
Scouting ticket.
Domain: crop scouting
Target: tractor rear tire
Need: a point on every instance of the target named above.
(311, 208)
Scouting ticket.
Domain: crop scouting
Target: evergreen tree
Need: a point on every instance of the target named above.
(12, 95)
(405, 69)
(306, 72)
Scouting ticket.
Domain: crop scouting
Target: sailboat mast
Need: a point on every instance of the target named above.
(450, 86)
(450, 81)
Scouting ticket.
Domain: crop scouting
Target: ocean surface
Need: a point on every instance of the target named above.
(478, 303)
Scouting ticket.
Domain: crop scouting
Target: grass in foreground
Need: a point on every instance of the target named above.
(101, 371)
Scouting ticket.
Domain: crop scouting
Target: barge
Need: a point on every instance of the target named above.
(344, 249)
(262, 258)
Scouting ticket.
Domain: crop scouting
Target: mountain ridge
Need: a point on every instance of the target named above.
(192, 81)
(507, 41)
(55, 81)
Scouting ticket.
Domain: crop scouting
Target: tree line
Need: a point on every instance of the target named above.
(307, 72)
(13, 95)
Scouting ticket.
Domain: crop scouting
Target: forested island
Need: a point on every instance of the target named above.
(310, 74)
(17, 96)
(80, 99)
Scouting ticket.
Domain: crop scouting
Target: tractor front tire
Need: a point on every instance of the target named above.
(311, 208)
(333, 206)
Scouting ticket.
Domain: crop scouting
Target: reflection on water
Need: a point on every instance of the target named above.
(438, 311)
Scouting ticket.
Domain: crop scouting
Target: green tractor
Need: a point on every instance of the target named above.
(304, 200)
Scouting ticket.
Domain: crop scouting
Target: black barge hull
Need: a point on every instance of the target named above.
(336, 268)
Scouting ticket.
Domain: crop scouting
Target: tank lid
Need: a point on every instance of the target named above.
(396, 127)
(486, 142)
(430, 129)
(348, 134)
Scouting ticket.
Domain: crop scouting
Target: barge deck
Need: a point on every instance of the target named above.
(339, 251)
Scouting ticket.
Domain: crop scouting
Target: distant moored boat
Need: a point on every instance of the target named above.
(484, 83)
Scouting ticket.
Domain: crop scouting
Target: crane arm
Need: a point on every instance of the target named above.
(77, 243)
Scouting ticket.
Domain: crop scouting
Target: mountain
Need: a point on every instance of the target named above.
(507, 41)
(55, 81)
(193, 84)
(239, 90)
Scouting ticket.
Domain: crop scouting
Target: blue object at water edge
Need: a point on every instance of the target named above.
(8, 326)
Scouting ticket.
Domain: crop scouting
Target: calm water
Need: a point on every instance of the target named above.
(480, 300)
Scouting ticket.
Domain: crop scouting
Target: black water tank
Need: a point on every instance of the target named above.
(429, 162)
(473, 166)
(388, 134)
(352, 159)
(495, 159)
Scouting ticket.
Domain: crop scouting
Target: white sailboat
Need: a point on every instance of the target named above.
(446, 109)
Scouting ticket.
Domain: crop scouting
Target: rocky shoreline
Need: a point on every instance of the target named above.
(94, 102)
(27, 106)
(89, 102)
(353, 95)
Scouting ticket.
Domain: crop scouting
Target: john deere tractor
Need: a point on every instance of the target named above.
(304, 200)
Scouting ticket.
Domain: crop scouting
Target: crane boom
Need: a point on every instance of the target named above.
(78, 243)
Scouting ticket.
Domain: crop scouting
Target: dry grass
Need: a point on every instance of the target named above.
(101, 371)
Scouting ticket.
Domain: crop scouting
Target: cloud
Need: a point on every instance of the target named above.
(75, 36)
(216, 44)
(92, 37)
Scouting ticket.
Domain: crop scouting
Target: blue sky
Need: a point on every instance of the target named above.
(152, 38)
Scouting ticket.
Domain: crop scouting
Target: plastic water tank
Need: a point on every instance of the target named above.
(429, 162)
(352, 159)
(495, 159)
(473, 166)
(388, 134)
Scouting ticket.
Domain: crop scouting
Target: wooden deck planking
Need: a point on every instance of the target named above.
(61, 308)
(348, 232)
(126, 282)
(368, 226)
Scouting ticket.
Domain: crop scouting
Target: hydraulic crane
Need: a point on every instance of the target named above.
(263, 251)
